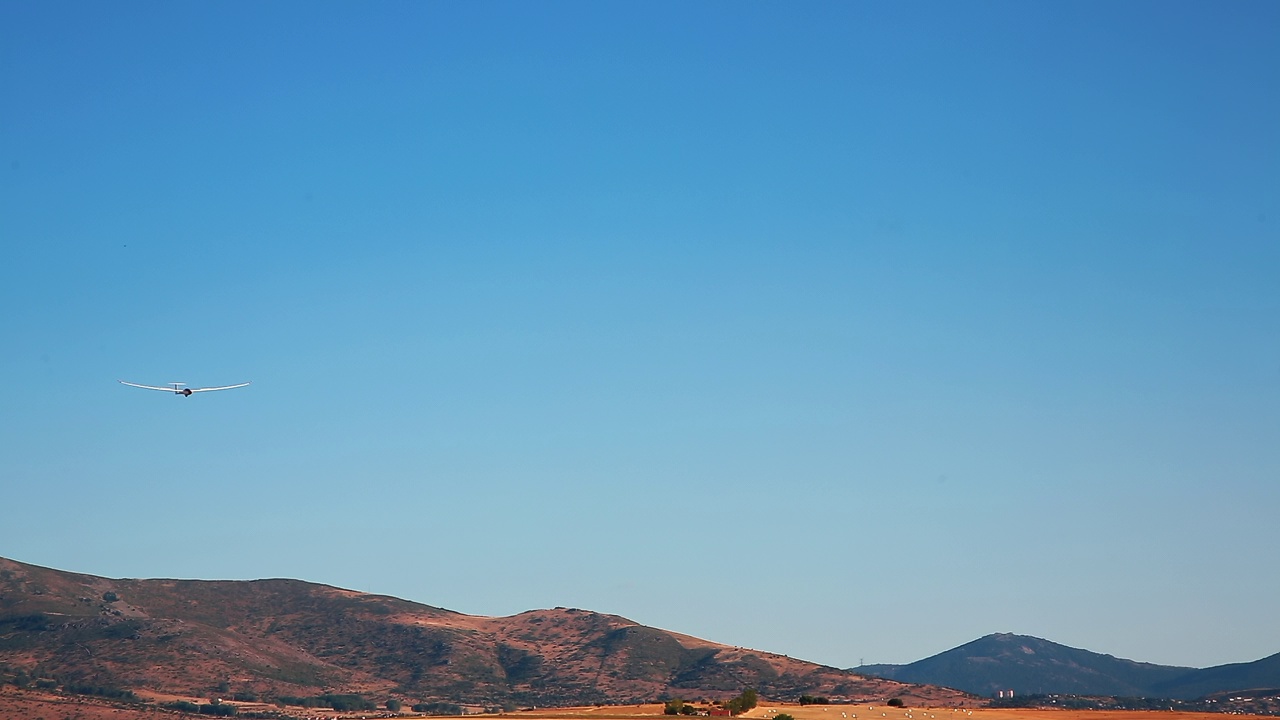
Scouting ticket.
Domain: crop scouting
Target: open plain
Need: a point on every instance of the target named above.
(767, 710)
(30, 705)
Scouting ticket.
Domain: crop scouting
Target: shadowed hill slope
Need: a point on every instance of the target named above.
(278, 637)
(1028, 665)
(1261, 674)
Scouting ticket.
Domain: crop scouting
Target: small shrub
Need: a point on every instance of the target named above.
(438, 708)
(349, 702)
(100, 691)
(896, 702)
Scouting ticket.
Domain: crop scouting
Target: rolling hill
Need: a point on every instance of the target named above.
(1258, 675)
(1030, 665)
(289, 637)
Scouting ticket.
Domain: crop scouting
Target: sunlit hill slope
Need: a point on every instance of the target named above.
(298, 638)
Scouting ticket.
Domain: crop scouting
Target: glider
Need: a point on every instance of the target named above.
(178, 388)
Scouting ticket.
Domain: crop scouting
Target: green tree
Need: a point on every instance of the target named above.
(393, 705)
(743, 702)
(673, 707)
(896, 702)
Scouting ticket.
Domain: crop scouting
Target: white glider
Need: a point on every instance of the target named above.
(178, 388)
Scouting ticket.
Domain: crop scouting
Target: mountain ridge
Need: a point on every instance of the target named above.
(1261, 674)
(282, 636)
(1031, 665)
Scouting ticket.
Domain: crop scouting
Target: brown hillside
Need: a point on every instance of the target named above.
(288, 637)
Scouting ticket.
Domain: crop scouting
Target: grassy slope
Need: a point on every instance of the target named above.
(293, 637)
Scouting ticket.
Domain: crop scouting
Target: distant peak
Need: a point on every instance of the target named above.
(1013, 637)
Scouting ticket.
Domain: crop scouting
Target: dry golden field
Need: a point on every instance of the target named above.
(767, 710)
(881, 712)
(23, 705)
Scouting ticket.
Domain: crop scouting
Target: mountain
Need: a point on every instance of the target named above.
(1030, 665)
(288, 637)
(1261, 674)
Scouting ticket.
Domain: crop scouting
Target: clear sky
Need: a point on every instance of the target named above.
(842, 330)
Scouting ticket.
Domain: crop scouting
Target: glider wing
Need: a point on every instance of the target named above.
(150, 387)
(224, 387)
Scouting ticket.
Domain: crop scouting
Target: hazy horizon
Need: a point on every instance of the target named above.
(842, 330)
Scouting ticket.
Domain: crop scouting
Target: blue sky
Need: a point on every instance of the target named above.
(843, 330)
